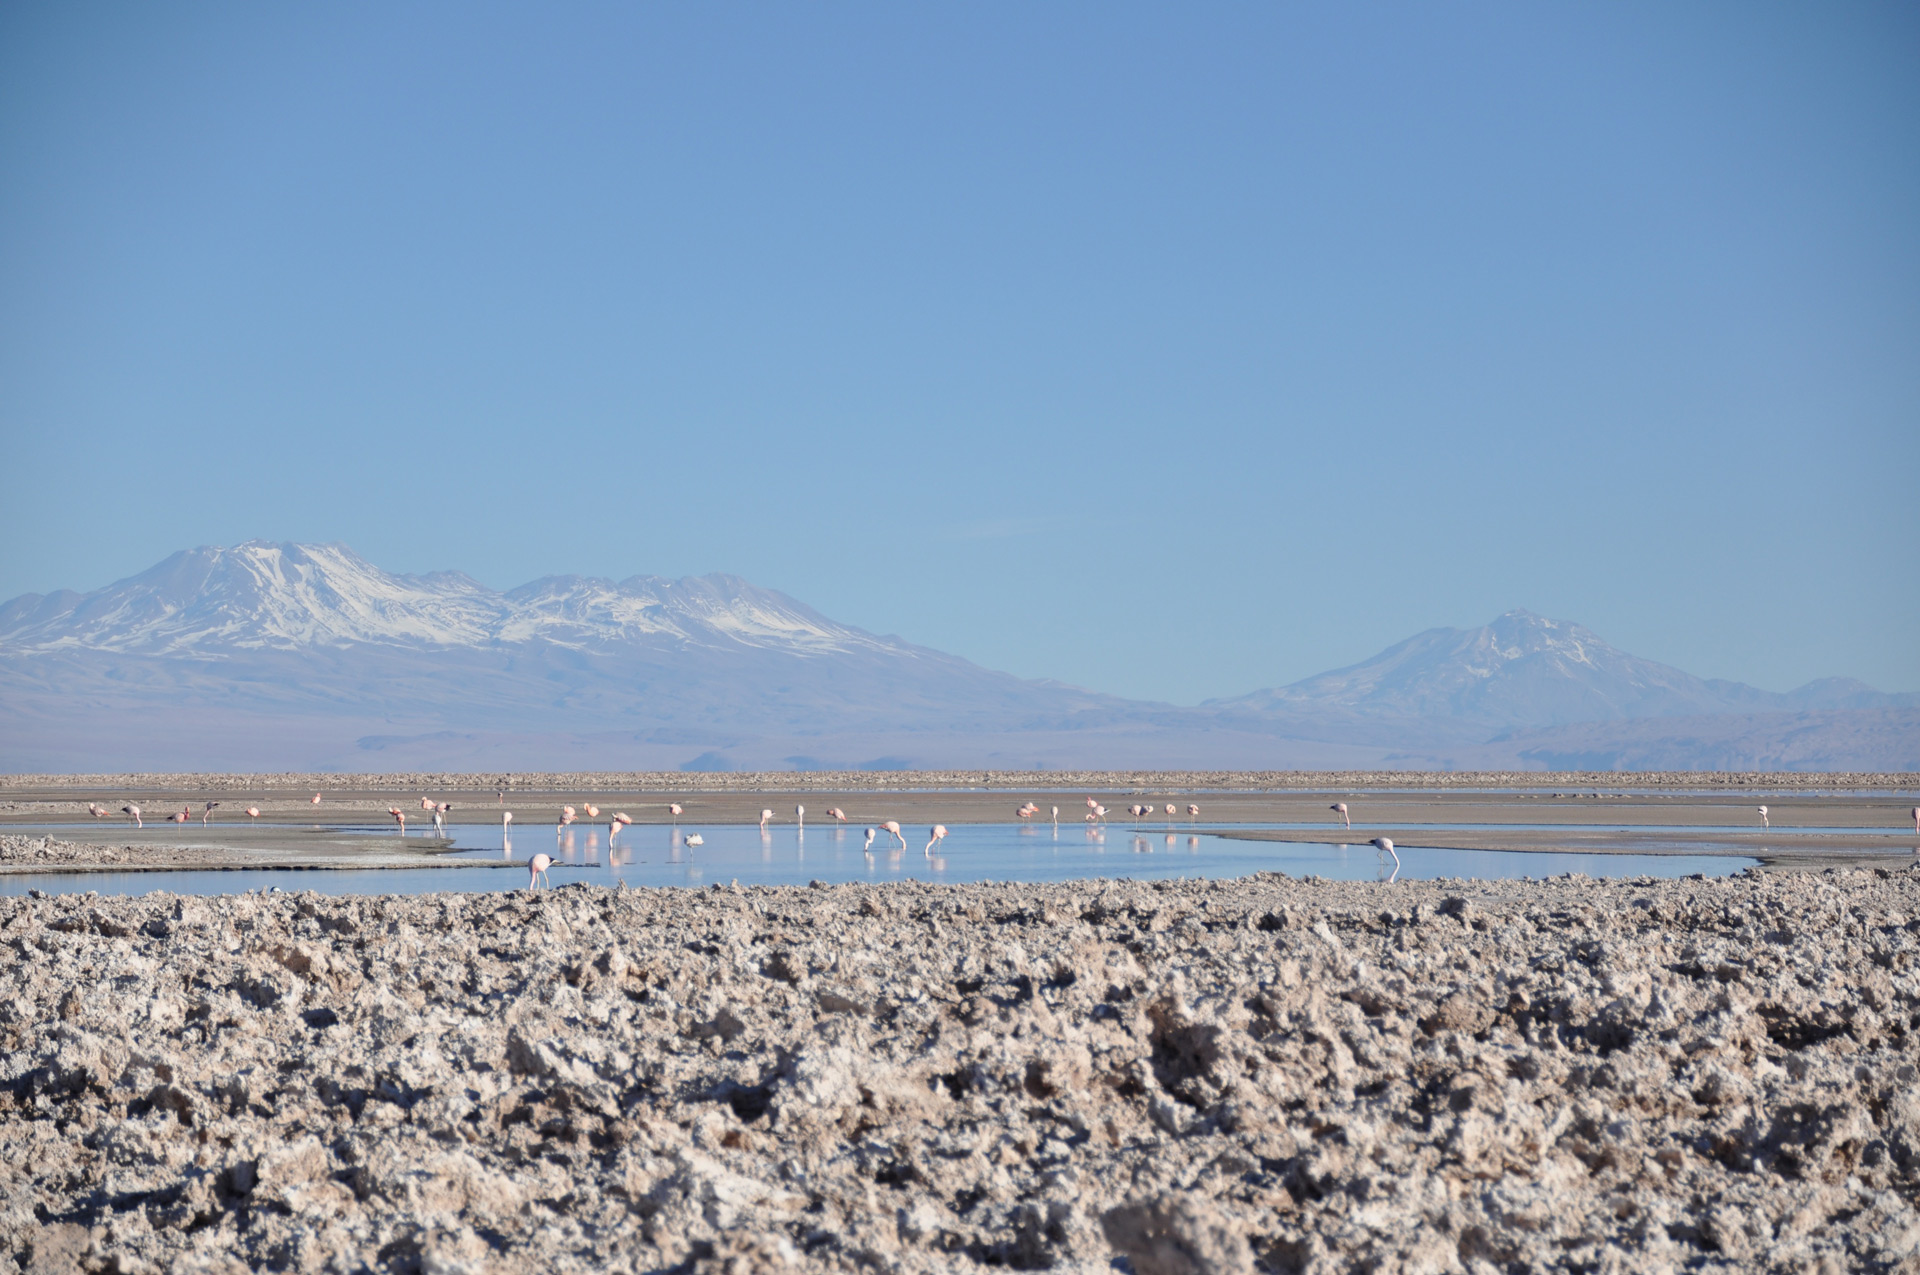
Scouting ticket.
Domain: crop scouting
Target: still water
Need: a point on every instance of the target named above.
(649, 856)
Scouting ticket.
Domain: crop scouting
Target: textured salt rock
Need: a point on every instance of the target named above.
(1258, 1075)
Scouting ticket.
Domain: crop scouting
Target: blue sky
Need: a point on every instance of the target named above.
(1174, 351)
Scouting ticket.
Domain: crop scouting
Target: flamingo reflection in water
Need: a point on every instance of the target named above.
(1385, 846)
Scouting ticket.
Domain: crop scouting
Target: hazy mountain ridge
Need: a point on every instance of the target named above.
(308, 657)
(1526, 670)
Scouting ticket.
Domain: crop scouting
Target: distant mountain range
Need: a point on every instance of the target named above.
(283, 656)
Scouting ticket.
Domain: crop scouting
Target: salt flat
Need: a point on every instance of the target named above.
(1263, 1074)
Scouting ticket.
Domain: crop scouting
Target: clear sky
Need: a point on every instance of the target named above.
(1170, 350)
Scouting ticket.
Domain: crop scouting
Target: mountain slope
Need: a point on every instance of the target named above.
(309, 657)
(1524, 670)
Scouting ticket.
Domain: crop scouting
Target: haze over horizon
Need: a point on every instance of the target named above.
(1169, 355)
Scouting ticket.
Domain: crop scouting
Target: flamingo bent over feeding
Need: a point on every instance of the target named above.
(1340, 808)
(939, 831)
(893, 826)
(132, 812)
(538, 866)
(1386, 844)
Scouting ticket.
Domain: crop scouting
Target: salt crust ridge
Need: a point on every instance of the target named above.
(1261, 1074)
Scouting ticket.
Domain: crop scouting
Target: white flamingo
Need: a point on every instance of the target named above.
(939, 835)
(871, 833)
(1764, 821)
(766, 816)
(1386, 844)
(800, 815)
(1340, 808)
(893, 826)
(538, 866)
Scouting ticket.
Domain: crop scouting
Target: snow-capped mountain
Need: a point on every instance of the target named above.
(1524, 670)
(285, 656)
(210, 602)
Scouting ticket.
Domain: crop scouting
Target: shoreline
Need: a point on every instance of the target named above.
(884, 781)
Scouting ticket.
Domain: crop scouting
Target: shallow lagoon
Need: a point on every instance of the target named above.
(652, 855)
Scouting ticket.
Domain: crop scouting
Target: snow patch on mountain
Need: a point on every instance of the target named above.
(259, 595)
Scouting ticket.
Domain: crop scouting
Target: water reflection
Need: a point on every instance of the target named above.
(664, 856)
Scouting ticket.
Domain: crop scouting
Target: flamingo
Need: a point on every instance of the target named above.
(133, 812)
(1340, 808)
(1764, 821)
(95, 809)
(1100, 813)
(1916, 818)
(399, 817)
(1056, 816)
(939, 831)
(800, 815)
(253, 812)
(1170, 810)
(426, 803)
(207, 813)
(506, 820)
(566, 817)
(619, 820)
(184, 815)
(1386, 844)
(838, 814)
(593, 811)
(893, 826)
(869, 846)
(1193, 812)
(674, 808)
(538, 866)
(696, 840)
(439, 822)
(316, 799)
(1027, 811)
(765, 816)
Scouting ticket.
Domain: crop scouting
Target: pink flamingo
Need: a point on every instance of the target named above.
(426, 803)
(253, 812)
(399, 817)
(1193, 812)
(1340, 808)
(316, 799)
(893, 826)
(675, 809)
(566, 817)
(207, 813)
(1386, 844)
(133, 812)
(593, 811)
(838, 814)
(765, 816)
(1027, 811)
(619, 820)
(538, 866)
(939, 835)
(95, 809)
(184, 815)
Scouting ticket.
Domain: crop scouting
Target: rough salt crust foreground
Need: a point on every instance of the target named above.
(1260, 1074)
